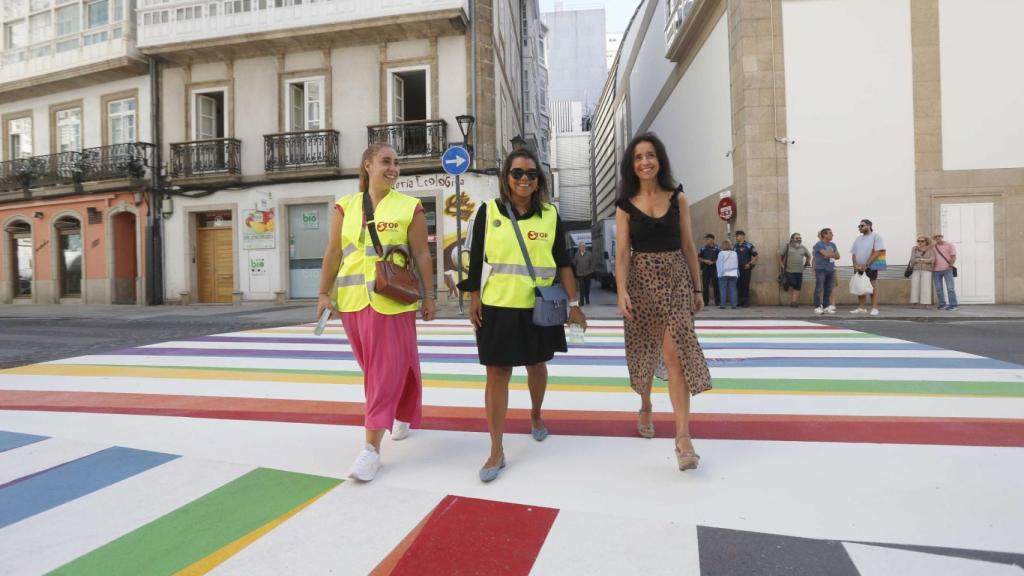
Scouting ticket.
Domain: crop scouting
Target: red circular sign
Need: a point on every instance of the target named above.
(727, 209)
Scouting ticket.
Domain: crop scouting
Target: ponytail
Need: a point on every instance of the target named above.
(368, 155)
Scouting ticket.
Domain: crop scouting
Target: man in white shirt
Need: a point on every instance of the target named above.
(868, 258)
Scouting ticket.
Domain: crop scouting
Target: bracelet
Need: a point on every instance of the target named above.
(324, 294)
(697, 292)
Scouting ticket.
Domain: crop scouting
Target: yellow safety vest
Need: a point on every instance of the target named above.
(358, 269)
(509, 284)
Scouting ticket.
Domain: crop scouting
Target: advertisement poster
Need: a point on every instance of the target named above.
(258, 232)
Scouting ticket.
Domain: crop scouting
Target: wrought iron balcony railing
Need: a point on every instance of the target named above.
(206, 157)
(49, 170)
(130, 160)
(413, 139)
(304, 149)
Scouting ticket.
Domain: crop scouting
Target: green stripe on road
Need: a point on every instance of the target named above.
(196, 530)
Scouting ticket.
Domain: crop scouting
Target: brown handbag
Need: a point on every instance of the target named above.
(392, 280)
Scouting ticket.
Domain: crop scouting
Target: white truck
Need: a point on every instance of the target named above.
(602, 235)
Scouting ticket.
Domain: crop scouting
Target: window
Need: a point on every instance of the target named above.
(121, 121)
(410, 96)
(209, 115)
(236, 6)
(14, 8)
(67, 20)
(39, 28)
(118, 11)
(15, 35)
(188, 13)
(305, 105)
(19, 141)
(161, 17)
(96, 14)
(69, 233)
(69, 130)
(37, 5)
(211, 10)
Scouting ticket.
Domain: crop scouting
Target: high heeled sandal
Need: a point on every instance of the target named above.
(645, 430)
(688, 460)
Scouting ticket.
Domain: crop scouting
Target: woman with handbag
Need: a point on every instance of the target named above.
(922, 259)
(658, 278)
(367, 264)
(521, 239)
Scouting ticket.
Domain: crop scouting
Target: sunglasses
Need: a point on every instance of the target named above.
(921, 241)
(518, 173)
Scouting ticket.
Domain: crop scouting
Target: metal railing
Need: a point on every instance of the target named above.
(303, 149)
(129, 160)
(412, 139)
(206, 157)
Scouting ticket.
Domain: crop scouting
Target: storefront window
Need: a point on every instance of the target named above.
(70, 237)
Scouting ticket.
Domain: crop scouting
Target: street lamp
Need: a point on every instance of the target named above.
(466, 122)
(518, 143)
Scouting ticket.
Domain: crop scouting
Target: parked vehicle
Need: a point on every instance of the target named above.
(602, 236)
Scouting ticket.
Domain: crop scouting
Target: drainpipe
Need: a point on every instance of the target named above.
(154, 220)
(472, 74)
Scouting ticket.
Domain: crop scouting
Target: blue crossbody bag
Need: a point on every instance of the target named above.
(551, 303)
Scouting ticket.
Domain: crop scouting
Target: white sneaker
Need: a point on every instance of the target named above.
(874, 311)
(858, 311)
(366, 465)
(830, 310)
(819, 310)
(400, 431)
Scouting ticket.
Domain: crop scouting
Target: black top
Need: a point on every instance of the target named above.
(745, 253)
(476, 253)
(647, 234)
(709, 253)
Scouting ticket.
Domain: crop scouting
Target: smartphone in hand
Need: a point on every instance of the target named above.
(322, 323)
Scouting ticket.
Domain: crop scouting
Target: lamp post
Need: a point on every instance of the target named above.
(465, 122)
(518, 143)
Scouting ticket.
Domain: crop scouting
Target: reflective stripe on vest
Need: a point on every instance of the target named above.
(509, 284)
(356, 274)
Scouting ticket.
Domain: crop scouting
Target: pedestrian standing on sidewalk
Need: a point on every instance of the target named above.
(944, 271)
(658, 280)
(747, 255)
(825, 255)
(868, 258)
(728, 266)
(922, 260)
(583, 263)
(501, 306)
(708, 257)
(793, 258)
(380, 330)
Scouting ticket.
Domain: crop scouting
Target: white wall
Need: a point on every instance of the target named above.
(453, 89)
(91, 113)
(651, 69)
(696, 121)
(356, 93)
(849, 100)
(982, 48)
(630, 39)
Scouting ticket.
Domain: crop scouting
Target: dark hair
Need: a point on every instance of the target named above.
(794, 235)
(540, 196)
(630, 182)
(709, 236)
(739, 232)
(823, 231)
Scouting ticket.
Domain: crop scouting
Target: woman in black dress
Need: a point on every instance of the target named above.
(505, 334)
(658, 279)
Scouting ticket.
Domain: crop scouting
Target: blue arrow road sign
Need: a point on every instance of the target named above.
(455, 160)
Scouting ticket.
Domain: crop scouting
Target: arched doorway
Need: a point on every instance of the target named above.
(126, 259)
(20, 272)
(70, 256)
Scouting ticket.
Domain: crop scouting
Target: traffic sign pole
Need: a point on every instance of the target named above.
(455, 161)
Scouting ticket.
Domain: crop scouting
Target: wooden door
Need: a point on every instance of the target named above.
(215, 262)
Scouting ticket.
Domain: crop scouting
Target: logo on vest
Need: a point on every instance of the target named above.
(534, 235)
(382, 226)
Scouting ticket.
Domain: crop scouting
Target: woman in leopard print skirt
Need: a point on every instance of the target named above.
(658, 281)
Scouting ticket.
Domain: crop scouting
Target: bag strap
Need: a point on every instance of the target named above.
(519, 237)
(939, 252)
(371, 225)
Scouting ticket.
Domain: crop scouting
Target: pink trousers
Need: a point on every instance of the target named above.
(385, 348)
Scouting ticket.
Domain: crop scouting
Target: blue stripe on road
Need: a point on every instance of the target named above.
(587, 360)
(736, 345)
(12, 440)
(40, 492)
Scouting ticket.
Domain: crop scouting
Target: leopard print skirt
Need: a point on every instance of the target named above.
(661, 291)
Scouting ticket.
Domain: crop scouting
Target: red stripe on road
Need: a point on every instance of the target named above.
(464, 536)
(785, 427)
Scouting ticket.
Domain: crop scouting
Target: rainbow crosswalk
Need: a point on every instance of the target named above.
(224, 453)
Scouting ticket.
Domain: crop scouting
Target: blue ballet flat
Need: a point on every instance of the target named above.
(539, 434)
(489, 474)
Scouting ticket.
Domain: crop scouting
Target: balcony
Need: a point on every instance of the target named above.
(216, 161)
(307, 153)
(191, 30)
(683, 24)
(419, 143)
(58, 63)
(90, 168)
